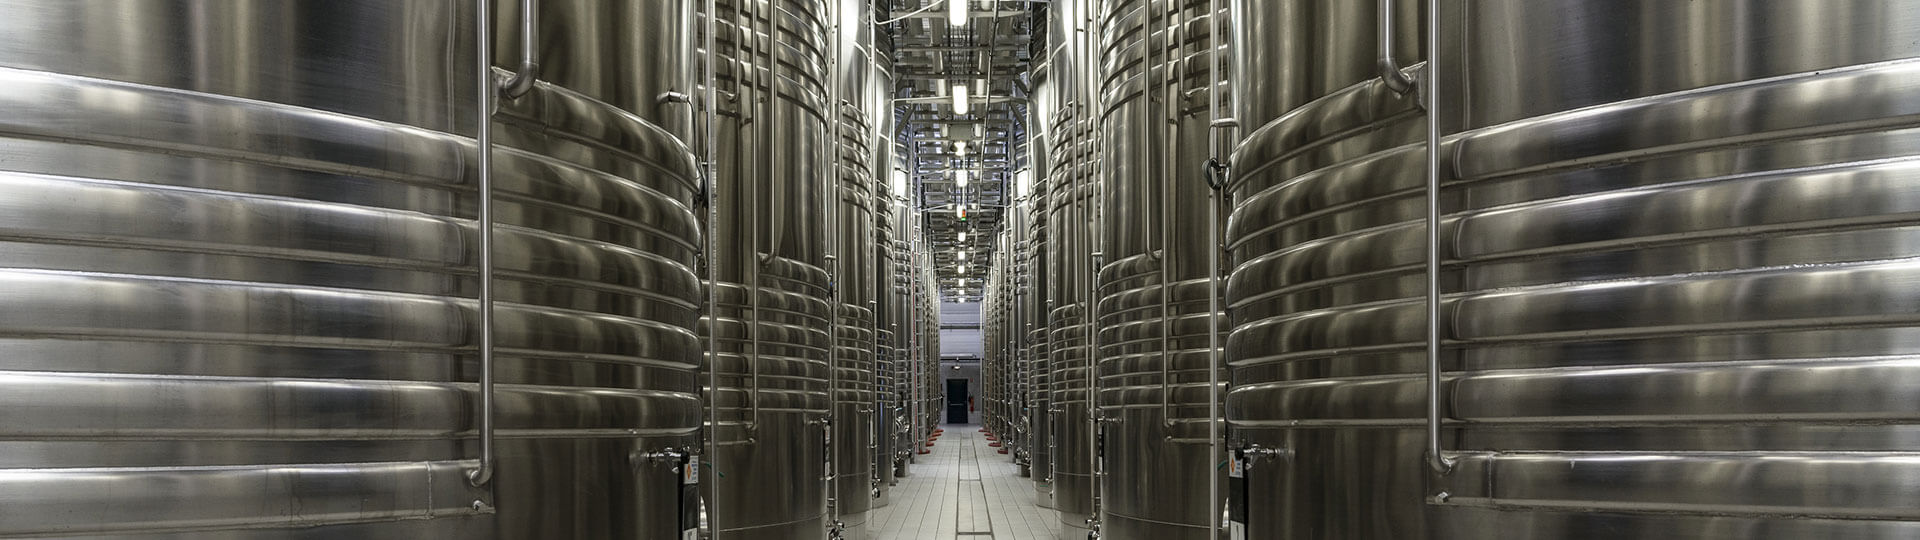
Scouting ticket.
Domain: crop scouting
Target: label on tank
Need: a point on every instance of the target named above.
(690, 497)
(1237, 497)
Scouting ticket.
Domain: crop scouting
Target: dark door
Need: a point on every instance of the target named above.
(957, 401)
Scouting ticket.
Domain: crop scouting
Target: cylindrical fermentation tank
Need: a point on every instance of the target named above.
(1001, 362)
(1154, 293)
(854, 280)
(887, 312)
(993, 363)
(932, 389)
(1676, 264)
(1039, 129)
(771, 342)
(1017, 253)
(241, 263)
(1071, 222)
(927, 342)
(906, 404)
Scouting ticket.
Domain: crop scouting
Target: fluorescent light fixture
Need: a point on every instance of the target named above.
(963, 236)
(960, 177)
(963, 256)
(961, 104)
(957, 12)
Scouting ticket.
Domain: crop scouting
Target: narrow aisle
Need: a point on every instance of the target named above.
(964, 490)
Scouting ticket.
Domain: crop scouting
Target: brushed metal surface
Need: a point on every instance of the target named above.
(774, 322)
(1036, 329)
(1005, 366)
(239, 270)
(1153, 357)
(1072, 219)
(889, 298)
(1069, 349)
(931, 386)
(852, 145)
(908, 370)
(1676, 260)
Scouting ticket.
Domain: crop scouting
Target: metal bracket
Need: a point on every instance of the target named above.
(1215, 171)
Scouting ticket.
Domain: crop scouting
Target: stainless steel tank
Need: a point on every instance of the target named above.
(1039, 365)
(1071, 222)
(1001, 362)
(993, 358)
(854, 412)
(771, 323)
(888, 300)
(905, 216)
(1676, 247)
(990, 358)
(1018, 316)
(1045, 104)
(1155, 307)
(240, 269)
(926, 344)
(932, 389)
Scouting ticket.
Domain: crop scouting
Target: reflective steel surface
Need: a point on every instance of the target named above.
(855, 411)
(889, 299)
(239, 267)
(773, 323)
(1676, 273)
(1072, 220)
(241, 250)
(1005, 368)
(1035, 329)
(1153, 356)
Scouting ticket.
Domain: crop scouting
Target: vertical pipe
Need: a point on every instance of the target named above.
(1170, 108)
(1390, 73)
(1096, 242)
(1435, 456)
(713, 252)
(836, 119)
(523, 78)
(484, 91)
(756, 222)
(1215, 198)
(1214, 30)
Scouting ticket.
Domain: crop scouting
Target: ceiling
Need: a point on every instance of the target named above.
(992, 53)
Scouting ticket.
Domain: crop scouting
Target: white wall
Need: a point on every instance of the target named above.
(971, 372)
(960, 330)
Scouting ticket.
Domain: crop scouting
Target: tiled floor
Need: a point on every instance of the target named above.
(964, 490)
